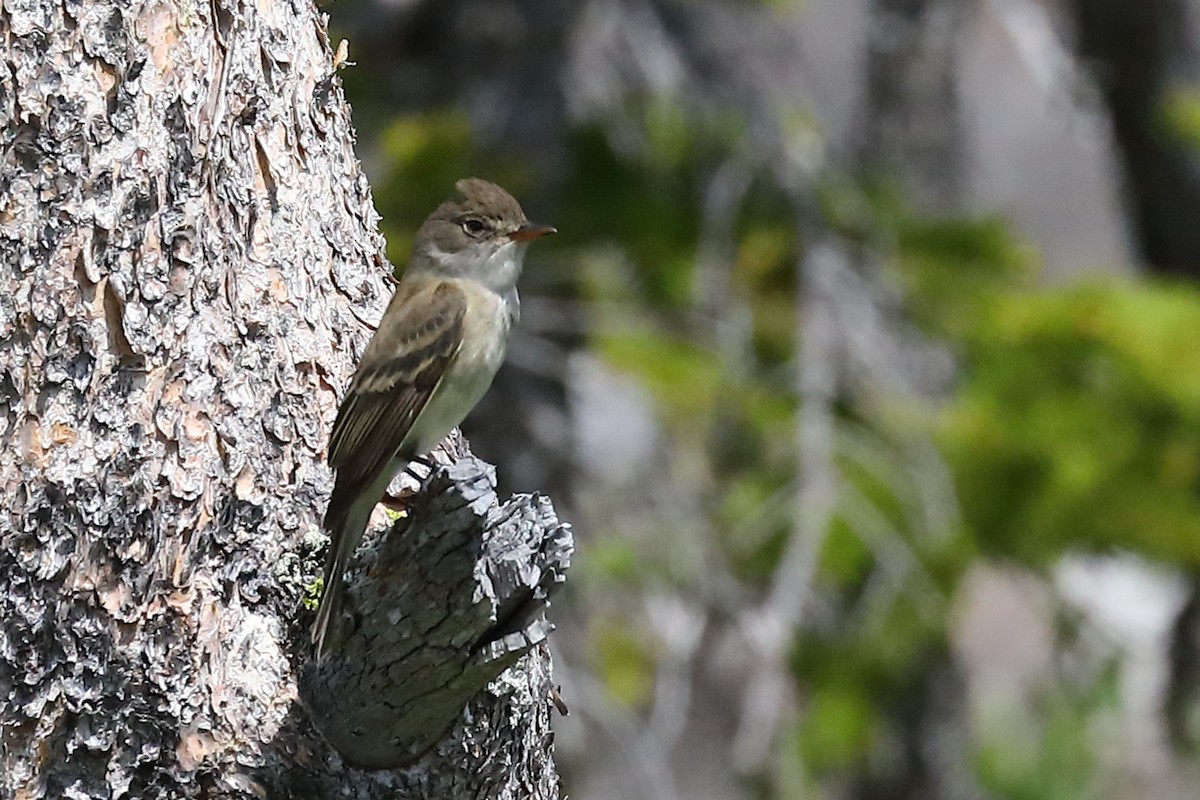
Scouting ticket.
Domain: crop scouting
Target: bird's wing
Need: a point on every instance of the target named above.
(417, 340)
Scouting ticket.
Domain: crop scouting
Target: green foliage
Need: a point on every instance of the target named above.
(684, 378)
(1179, 116)
(623, 662)
(1057, 762)
(861, 685)
(311, 597)
(846, 562)
(610, 561)
(423, 154)
(649, 208)
(952, 269)
(765, 276)
(1077, 425)
(836, 727)
(754, 521)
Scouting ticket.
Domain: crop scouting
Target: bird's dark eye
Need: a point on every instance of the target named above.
(473, 227)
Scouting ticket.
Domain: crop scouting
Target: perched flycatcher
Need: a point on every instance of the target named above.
(436, 350)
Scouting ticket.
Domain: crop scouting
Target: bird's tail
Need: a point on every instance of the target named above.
(346, 526)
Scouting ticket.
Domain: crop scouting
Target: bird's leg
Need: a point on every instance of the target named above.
(428, 464)
(401, 502)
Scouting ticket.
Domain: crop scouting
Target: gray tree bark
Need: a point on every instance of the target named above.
(443, 604)
(189, 264)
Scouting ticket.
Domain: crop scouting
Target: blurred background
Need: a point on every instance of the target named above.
(866, 365)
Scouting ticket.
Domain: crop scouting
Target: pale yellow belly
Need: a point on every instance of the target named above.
(467, 378)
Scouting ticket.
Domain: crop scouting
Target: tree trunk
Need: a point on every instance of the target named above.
(912, 116)
(1144, 56)
(190, 263)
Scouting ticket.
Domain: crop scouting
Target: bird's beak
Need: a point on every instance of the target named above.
(530, 231)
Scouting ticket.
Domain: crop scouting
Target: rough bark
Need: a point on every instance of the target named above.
(448, 601)
(188, 263)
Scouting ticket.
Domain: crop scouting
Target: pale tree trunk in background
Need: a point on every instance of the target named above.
(913, 127)
(189, 261)
(915, 133)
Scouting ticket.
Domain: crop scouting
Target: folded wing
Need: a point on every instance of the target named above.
(399, 372)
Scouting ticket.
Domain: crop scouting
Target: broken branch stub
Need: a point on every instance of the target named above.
(439, 606)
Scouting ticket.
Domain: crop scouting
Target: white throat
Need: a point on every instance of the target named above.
(504, 268)
(496, 268)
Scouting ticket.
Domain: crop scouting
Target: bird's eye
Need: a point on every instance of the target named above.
(473, 227)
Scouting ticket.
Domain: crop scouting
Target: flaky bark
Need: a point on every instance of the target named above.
(449, 600)
(189, 257)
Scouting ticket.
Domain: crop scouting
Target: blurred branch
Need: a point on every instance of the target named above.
(679, 628)
(713, 294)
(770, 628)
(651, 777)
(896, 561)
(1050, 65)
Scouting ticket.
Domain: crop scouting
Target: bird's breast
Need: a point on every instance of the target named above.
(484, 341)
(485, 336)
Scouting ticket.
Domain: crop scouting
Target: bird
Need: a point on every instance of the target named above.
(432, 358)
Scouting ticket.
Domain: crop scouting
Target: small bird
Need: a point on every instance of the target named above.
(436, 350)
